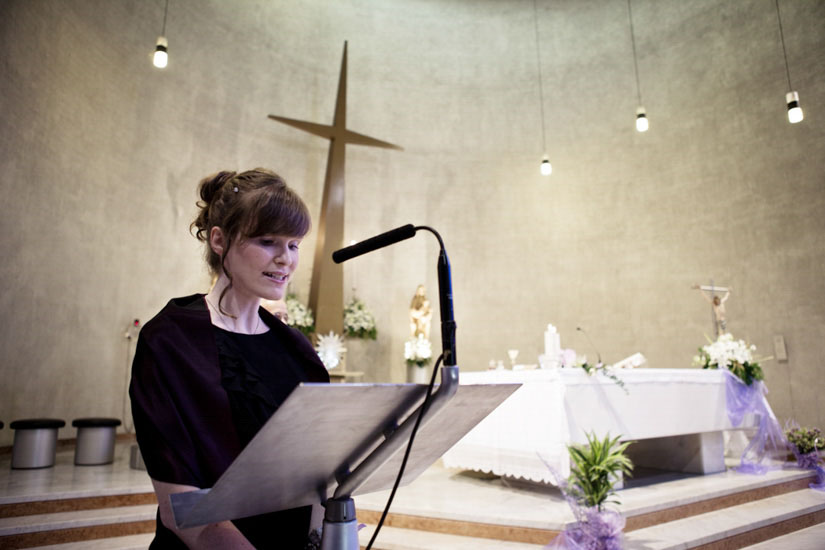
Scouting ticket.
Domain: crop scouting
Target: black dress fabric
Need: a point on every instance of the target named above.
(258, 375)
(197, 399)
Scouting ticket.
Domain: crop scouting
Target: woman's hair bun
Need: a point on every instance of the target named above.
(212, 184)
(208, 189)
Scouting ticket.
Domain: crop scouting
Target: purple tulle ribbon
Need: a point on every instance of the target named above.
(742, 399)
(593, 530)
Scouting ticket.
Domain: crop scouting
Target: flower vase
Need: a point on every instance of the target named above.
(418, 375)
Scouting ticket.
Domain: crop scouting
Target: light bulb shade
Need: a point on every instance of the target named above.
(794, 110)
(546, 168)
(161, 57)
(641, 120)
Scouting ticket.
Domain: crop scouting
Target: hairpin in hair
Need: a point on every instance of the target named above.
(235, 189)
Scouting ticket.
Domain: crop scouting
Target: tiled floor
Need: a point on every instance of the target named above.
(65, 480)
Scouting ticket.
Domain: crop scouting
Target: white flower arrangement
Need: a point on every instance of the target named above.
(359, 321)
(734, 355)
(418, 351)
(299, 315)
(330, 348)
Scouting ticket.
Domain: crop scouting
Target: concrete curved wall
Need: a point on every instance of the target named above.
(102, 152)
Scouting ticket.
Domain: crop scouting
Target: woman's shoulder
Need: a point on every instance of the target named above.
(299, 343)
(179, 314)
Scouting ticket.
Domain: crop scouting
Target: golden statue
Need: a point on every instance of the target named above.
(420, 313)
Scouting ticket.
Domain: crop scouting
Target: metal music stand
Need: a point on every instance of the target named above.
(346, 439)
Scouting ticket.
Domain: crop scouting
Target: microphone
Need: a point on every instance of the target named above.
(374, 243)
(598, 355)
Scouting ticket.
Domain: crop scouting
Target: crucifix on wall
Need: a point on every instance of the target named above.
(326, 290)
(717, 305)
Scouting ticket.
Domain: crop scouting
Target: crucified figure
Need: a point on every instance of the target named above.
(720, 322)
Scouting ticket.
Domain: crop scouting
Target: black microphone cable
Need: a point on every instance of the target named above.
(395, 485)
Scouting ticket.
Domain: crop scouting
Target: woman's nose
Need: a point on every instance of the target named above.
(282, 256)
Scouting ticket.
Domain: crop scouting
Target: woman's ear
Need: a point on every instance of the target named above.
(217, 240)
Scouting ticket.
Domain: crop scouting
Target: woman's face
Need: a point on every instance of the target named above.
(262, 266)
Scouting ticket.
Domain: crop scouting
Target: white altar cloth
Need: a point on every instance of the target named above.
(556, 407)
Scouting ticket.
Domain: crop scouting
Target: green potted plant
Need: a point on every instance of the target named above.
(595, 470)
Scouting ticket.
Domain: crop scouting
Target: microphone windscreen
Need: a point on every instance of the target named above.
(374, 243)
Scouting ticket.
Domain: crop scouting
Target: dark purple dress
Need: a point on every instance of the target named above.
(198, 396)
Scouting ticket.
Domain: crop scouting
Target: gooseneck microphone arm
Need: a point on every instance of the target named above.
(445, 287)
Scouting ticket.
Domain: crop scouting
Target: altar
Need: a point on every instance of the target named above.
(676, 417)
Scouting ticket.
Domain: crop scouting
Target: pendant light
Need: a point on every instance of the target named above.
(161, 57)
(641, 115)
(545, 168)
(791, 98)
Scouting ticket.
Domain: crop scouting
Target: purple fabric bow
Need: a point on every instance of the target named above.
(742, 399)
(594, 530)
(819, 484)
(810, 461)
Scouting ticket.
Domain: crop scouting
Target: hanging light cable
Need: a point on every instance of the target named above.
(791, 98)
(545, 167)
(641, 115)
(161, 57)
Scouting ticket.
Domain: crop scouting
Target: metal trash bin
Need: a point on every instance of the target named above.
(35, 442)
(95, 441)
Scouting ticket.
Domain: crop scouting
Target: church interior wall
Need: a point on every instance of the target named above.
(102, 152)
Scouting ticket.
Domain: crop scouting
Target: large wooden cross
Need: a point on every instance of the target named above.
(326, 290)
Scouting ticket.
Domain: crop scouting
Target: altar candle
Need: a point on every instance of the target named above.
(552, 343)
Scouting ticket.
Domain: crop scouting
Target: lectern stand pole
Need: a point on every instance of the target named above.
(340, 529)
(340, 525)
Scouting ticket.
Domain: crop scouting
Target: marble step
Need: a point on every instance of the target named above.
(811, 538)
(445, 502)
(735, 527)
(738, 526)
(43, 529)
(129, 542)
(396, 538)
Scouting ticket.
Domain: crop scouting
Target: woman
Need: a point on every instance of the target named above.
(209, 370)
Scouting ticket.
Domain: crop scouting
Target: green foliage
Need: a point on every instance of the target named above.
(600, 368)
(748, 371)
(595, 469)
(806, 440)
